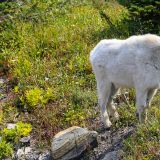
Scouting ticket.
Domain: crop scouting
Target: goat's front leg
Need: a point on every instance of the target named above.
(110, 106)
(141, 103)
(105, 116)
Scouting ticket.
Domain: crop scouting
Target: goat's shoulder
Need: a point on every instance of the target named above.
(147, 41)
(151, 40)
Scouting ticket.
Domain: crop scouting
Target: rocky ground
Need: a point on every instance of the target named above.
(109, 145)
(24, 150)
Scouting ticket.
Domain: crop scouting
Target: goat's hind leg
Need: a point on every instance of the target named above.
(111, 107)
(104, 89)
(150, 96)
(141, 103)
(103, 93)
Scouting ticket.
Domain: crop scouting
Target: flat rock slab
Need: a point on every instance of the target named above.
(70, 143)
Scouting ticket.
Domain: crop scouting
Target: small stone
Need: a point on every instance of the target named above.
(1, 81)
(45, 156)
(25, 141)
(46, 78)
(11, 126)
(20, 155)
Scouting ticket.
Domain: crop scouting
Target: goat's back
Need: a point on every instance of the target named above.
(104, 50)
(135, 45)
(147, 41)
(127, 61)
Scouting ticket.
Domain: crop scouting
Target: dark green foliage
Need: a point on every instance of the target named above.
(144, 16)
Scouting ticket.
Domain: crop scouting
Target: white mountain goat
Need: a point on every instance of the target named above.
(134, 62)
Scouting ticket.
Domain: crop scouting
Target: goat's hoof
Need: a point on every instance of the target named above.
(108, 124)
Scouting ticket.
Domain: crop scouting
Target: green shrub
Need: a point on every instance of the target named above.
(6, 149)
(36, 96)
(9, 134)
(21, 130)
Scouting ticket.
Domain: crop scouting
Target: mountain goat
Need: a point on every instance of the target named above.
(134, 62)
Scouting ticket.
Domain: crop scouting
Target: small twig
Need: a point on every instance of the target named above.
(126, 101)
(106, 17)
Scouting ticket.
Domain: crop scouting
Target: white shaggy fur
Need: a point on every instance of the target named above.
(134, 62)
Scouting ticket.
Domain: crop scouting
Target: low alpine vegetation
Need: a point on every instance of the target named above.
(44, 52)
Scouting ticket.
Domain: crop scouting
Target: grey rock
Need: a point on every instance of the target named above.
(1, 81)
(25, 141)
(71, 142)
(20, 155)
(28, 150)
(26, 153)
(31, 154)
(111, 156)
